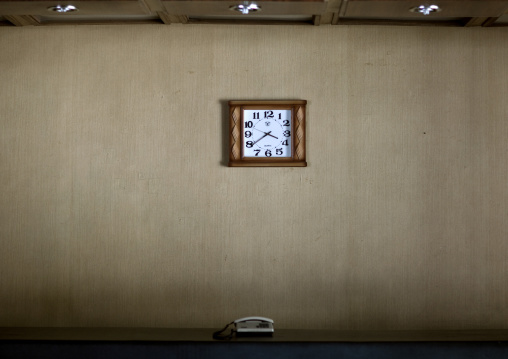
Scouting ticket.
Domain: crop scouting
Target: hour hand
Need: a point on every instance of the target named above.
(266, 134)
(259, 139)
(272, 135)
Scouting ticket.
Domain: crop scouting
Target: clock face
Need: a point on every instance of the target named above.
(266, 133)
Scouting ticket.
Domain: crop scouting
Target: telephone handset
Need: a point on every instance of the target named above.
(248, 326)
(254, 325)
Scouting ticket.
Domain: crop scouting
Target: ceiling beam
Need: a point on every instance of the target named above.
(332, 8)
(22, 20)
(480, 21)
(172, 19)
(153, 5)
(340, 12)
(156, 7)
(490, 21)
(475, 21)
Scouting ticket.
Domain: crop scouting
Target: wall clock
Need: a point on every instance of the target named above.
(267, 133)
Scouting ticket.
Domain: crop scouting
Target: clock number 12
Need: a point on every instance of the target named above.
(267, 114)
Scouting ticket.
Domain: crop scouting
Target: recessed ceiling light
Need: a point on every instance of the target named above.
(246, 8)
(63, 8)
(425, 9)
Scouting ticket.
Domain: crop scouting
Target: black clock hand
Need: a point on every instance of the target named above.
(266, 133)
(259, 139)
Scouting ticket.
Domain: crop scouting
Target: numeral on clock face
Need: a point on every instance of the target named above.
(266, 133)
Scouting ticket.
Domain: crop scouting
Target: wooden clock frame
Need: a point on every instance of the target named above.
(236, 123)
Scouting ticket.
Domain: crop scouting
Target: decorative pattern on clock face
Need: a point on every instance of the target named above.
(266, 133)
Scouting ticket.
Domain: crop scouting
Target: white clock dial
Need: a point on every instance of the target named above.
(266, 133)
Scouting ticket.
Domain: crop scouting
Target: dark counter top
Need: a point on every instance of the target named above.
(280, 335)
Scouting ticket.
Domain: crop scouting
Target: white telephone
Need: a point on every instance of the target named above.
(254, 326)
(248, 326)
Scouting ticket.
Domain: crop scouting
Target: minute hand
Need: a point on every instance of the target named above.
(259, 139)
(266, 134)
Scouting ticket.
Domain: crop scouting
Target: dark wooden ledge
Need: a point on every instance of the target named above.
(280, 335)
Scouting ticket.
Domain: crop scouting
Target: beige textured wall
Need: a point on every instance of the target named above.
(116, 208)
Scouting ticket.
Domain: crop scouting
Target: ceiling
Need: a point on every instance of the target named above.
(461, 13)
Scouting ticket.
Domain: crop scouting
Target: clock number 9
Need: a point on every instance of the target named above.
(248, 134)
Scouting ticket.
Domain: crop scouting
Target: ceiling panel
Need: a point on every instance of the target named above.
(84, 7)
(227, 8)
(315, 12)
(411, 9)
